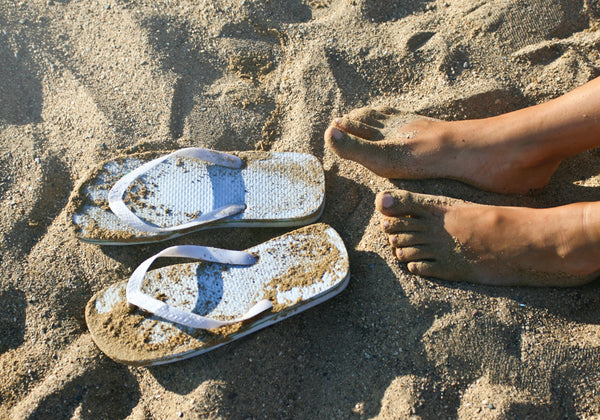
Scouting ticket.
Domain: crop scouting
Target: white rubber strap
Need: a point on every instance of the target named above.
(119, 208)
(136, 297)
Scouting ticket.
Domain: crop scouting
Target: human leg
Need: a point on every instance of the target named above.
(453, 239)
(511, 153)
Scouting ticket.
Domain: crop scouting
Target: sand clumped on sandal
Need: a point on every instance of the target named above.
(92, 219)
(127, 333)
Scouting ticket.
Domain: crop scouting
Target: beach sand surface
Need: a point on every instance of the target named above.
(82, 81)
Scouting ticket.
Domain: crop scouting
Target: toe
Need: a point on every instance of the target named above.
(414, 253)
(386, 110)
(401, 240)
(349, 146)
(402, 224)
(403, 203)
(426, 269)
(368, 116)
(358, 128)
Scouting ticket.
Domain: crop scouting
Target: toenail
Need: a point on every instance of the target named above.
(337, 134)
(386, 224)
(399, 252)
(394, 240)
(387, 200)
(337, 121)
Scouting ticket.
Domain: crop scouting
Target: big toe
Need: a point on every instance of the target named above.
(358, 128)
(345, 145)
(400, 203)
(429, 269)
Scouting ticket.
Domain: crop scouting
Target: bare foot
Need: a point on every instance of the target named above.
(456, 240)
(497, 154)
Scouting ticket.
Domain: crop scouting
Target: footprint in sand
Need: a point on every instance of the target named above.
(20, 88)
(38, 195)
(510, 377)
(12, 319)
(386, 11)
(82, 384)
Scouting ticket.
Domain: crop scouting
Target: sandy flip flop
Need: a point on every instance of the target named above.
(179, 311)
(141, 198)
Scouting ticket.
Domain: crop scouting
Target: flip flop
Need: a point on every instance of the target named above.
(141, 198)
(180, 311)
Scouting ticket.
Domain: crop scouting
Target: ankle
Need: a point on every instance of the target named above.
(590, 221)
(519, 141)
(581, 248)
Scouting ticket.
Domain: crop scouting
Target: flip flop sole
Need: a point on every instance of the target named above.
(278, 189)
(295, 272)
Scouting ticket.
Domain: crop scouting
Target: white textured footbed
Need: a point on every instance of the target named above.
(283, 189)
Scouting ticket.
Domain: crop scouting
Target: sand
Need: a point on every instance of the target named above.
(83, 81)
